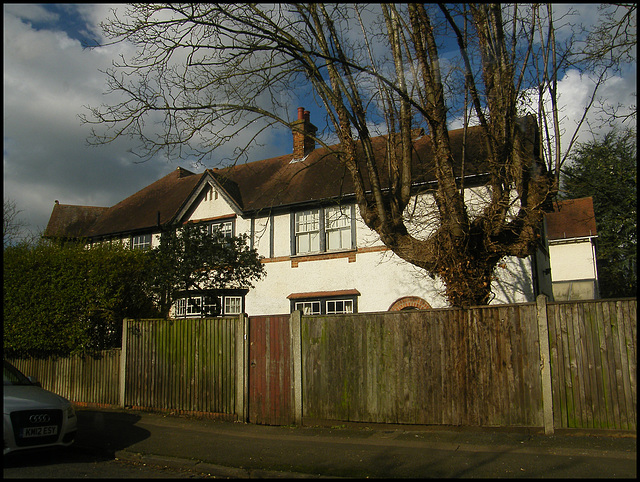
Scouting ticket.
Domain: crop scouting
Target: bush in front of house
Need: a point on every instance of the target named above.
(62, 298)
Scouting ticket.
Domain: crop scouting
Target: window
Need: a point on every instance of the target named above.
(209, 303)
(336, 302)
(211, 194)
(338, 227)
(194, 306)
(308, 307)
(308, 231)
(225, 227)
(232, 305)
(142, 241)
(181, 308)
(323, 229)
(335, 307)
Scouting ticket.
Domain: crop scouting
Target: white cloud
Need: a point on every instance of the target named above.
(48, 77)
(30, 12)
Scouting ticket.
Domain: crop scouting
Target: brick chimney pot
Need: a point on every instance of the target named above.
(303, 131)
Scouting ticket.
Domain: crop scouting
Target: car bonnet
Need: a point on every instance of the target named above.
(23, 397)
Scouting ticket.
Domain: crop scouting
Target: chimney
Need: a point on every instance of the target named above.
(303, 131)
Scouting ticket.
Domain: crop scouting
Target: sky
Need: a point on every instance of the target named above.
(49, 79)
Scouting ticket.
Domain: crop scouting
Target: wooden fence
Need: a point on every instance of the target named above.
(82, 379)
(447, 367)
(557, 365)
(593, 361)
(186, 364)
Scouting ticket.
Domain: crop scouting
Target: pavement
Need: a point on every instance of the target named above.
(227, 449)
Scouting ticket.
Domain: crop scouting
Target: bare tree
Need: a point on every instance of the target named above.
(208, 71)
(12, 226)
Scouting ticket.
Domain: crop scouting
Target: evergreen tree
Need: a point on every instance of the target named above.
(606, 170)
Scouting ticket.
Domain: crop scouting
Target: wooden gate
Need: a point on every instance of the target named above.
(270, 388)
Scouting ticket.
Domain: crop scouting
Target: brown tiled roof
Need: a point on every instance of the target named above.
(69, 221)
(156, 204)
(571, 218)
(278, 181)
(266, 184)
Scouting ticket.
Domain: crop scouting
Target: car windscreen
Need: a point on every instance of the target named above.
(12, 376)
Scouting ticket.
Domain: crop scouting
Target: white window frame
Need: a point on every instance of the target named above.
(226, 227)
(337, 227)
(194, 306)
(307, 231)
(308, 307)
(232, 305)
(326, 305)
(333, 307)
(205, 305)
(181, 308)
(141, 241)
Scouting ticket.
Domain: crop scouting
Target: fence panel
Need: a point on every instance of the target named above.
(426, 367)
(593, 345)
(185, 365)
(80, 379)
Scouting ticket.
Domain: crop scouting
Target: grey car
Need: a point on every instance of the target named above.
(34, 417)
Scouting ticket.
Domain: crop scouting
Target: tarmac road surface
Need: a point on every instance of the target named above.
(228, 449)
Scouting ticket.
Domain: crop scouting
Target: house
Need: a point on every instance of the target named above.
(300, 214)
(571, 233)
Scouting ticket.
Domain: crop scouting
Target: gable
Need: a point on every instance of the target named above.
(210, 199)
(571, 218)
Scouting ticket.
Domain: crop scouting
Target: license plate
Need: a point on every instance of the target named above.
(29, 432)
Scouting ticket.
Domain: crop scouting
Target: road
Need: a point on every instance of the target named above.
(76, 462)
(118, 444)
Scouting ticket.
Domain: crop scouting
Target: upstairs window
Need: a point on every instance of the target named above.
(323, 229)
(142, 241)
(338, 227)
(225, 227)
(308, 231)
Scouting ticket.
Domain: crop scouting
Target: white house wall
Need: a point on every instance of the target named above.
(380, 276)
(572, 261)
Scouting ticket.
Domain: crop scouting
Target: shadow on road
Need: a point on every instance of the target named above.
(100, 435)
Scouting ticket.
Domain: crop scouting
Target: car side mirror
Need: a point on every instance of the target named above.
(35, 382)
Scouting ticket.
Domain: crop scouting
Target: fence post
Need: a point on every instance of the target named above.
(296, 368)
(242, 355)
(545, 364)
(123, 361)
